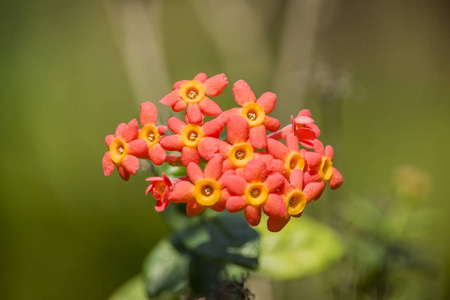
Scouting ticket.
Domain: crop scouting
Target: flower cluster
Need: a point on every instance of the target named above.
(248, 170)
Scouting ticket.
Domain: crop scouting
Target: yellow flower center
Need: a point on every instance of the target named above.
(295, 202)
(150, 134)
(192, 92)
(240, 154)
(207, 192)
(256, 193)
(254, 114)
(118, 150)
(294, 161)
(191, 135)
(326, 168)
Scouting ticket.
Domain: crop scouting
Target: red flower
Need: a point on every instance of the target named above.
(160, 187)
(192, 140)
(205, 189)
(124, 146)
(290, 154)
(151, 134)
(254, 190)
(255, 112)
(295, 197)
(194, 94)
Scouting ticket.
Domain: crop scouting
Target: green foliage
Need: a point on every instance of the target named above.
(133, 289)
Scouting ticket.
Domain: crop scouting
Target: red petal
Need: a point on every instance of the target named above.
(171, 98)
(157, 154)
(313, 190)
(275, 224)
(161, 205)
(336, 179)
(213, 169)
(237, 128)
(119, 129)
(236, 203)
(207, 147)
(312, 159)
(200, 77)
(255, 170)
(193, 113)
(258, 137)
(303, 120)
(149, 113)
(183, 192)
(178, 84)
(329, 152)
(267, 101)
(213, 127)
(292, 143)
(175, 124)
(274, 181)
(179, 106)
(224, 148)
(243, 94)
(215, 85)
(172, 142)
(131, 131)
(189, 155)
(253, 214)
(123, 172)
(304, 112)
(274, 206)
(236, 185)
(108, 164)
(137, 147)
(109, 139)
(194, 172)
(209, 107)
(193, 208)
(296, 179)
(305, 134)
(277, 149)
(311, 177)
(271, 124)
(314, 128)
(131, 164)
(318, 147)
(162, 129)
(224, 176)
(218, 206)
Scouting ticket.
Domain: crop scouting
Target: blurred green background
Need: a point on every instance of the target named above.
(375, 75)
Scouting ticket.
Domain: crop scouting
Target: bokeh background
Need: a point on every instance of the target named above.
(375, 75)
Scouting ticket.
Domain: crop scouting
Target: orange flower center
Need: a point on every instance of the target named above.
(118, 150)
(256, 193)
(207, 192)
(295, 202)
(240, 154)
(150, 134)
(326, 168)
(294, 161)
(254, 114)
(191, 135)
(192, 92)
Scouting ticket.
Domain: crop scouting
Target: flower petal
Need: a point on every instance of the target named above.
(209, 107)
(172, 142)
(193, 208)
(267, 101)
(312, 159)
(329, 152)
(149, 113)
(213, 127)
(137, 147)
(131, 164)
(215, 85)
(237, 128)
(161, 205)
(236, 203)
(123, 172)
(292, 143)
(157, 154)
(131, 131)
(253, 214)
(108, 164)
(171, 98)
(255, 170)
(183, 191)
(162, 129)
(243, 94)
(178, 84)
(194, 172)
(275, 224)
(200, 77)
(318, 147)
(304, 112)
(336, 179)
(179, 106)
(236, 185)
(296, 179)
(175, 124)
(119, 129)
(274, 181)
(276, 149)
(109, 139)
(189, 155)
(313, 190)
(258, 136)
(271, 124)
(207, 147)
(311, 176)
(193, 113)
(274, 206)
(213, 169)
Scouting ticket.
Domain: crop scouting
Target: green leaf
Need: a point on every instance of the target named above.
(224, 238)
(304, 247)
(133, 289)
(166, 269)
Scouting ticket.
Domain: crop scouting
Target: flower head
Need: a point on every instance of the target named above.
(124, 146)
(194, 95)
(290, 154)
(152, 133)
(160, 187)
